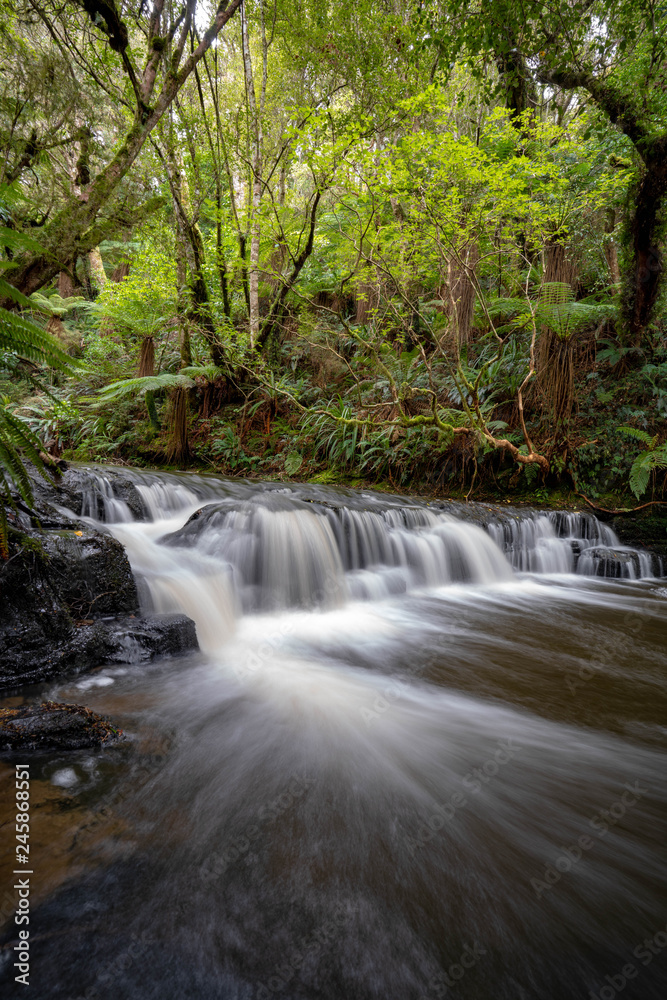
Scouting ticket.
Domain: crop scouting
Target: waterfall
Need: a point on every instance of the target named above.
(217, 548)
(414, 732)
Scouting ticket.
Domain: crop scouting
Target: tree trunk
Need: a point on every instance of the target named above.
(179, 445)
(98, 276)
(460, 304)
(255, 114)
(191, 239)
(147, 358)
(278, 308)
(558, 266)
(611, 249)
(643, 281)
(65, 285)
(120, 272)
(182, 295)
(645, 269)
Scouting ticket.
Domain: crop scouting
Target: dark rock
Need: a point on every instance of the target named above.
(52, 726)
(91, 573)
(84, 492)
(603, 560)
(647, 528)
(49, 584)
(136, 640)
(59, 587)
(124, 489)
(40, 643)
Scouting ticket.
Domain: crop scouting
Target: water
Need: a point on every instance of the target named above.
(417, 756)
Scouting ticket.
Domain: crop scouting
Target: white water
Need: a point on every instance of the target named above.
(264, 551)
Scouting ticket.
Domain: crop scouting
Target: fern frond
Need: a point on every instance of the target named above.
(566, 318)
(148, 383)
(18, 241)
(209, 372)
(21, 336)
(16, 440)
(639, 435)
(555, 293)
(8, 291)
(54, 305)
(640, 473)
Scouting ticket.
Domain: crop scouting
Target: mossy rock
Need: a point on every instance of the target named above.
(54, 726)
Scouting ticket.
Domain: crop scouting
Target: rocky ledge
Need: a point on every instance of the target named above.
(68, 599)
(53, 726)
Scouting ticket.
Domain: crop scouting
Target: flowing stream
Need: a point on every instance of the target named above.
(419, 755)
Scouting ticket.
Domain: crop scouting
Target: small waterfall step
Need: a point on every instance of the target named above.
(298, 544)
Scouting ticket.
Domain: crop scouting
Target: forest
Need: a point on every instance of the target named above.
(333, 499)
(415, 245)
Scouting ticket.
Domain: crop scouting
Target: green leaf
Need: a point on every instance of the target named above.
(638, 434)
(293, 463)
(140, 386)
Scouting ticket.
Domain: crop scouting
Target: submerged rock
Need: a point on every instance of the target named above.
(610, 562)
(53, 726)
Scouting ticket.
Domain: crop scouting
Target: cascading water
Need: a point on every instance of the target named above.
(418, 755)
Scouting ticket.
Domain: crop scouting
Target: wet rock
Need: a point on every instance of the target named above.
(49, 644)
(53, 726)
(124, 489)
(610, 562)
(51, 582)
(647, 529)
(138, 639)
(83, 493)
(59, 588)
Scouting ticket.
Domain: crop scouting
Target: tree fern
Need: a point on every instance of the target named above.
(148, 383)
(54, 304)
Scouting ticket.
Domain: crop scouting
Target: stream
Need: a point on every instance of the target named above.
(420, 754)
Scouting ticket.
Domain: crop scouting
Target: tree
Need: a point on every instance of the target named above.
(78, 226)
(612, 53)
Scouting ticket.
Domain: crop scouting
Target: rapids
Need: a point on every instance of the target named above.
(419, 755)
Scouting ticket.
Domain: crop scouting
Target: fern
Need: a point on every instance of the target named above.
(209, 372)
(655, 457)
(148, 383)
(21, 338)
(639, 435)
(54, 304)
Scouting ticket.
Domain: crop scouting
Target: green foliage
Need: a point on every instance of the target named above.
(293, 462)
(54, 304)
(21, 338)
(654, 457)
(147, 384)
(228, 449)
